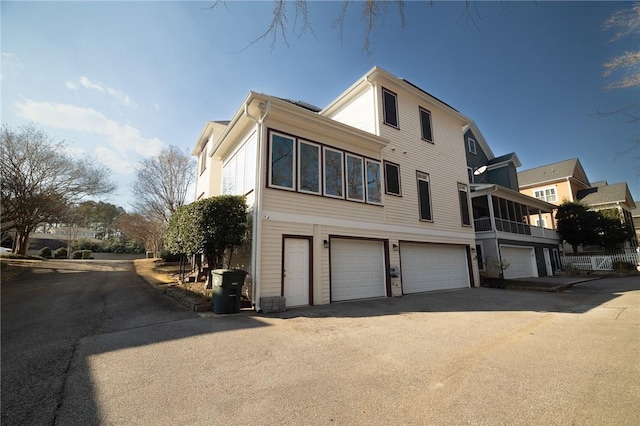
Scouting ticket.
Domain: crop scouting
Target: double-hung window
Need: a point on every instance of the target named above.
(546, 194)
(392, 178)
(464, 204)
(203, 159)
(390, 103)
(471, 145)
(424, 196)
(425, 125)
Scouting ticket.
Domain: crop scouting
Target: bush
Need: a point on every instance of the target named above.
(61, 253)
(81, 254)
(624, 266)
(168, 257)
(45, 252)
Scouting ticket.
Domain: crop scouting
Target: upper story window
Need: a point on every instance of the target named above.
(282, 161)
(374, 184)
(390, 102)
(464, 204)
(203, 159)
(470, 175)
(392, 178)
(425, 125)
(309, 167)
(424, 196)
(471, 145)
(546, 194)
(355, 178)
(333, 173)
(239, 170)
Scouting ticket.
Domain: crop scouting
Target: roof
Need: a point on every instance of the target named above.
(635, 212)
(301, 104)
(552, 172)
(606, 194)
(511, 157)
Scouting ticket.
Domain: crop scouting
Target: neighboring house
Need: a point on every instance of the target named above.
(567, 181)
(635, 214)
(365, 198)
(512, 239)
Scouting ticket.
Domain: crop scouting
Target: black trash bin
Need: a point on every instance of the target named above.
(227, 289)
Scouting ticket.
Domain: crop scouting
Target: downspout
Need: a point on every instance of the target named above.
(257, 205)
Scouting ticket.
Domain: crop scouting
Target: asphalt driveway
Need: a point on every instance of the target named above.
(475, 356)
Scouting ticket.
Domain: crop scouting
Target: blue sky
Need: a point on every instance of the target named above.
(120, 80)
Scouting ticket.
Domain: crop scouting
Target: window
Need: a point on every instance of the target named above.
(471, 145)
(355, 178)
(424, 196)
(203, 159)
(546, 194)
(464, 204)
(392, 178)
(238, 173)
(390, 101)
(309, 167)
(479, 257)
(333, 172)
(425, 125)
(374, 185)
(282, 160)
(541, 223)
(470, 175)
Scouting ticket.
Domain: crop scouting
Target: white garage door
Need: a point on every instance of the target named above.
(427, 267)
(521, 260)
(357, 269)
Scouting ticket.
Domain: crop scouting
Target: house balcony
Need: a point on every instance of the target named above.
(486, 224)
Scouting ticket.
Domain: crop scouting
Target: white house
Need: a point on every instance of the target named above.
(368, 197)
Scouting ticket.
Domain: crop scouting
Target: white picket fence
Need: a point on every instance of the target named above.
(599, 263)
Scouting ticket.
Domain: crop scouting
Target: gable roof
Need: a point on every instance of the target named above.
(473, 127)
(553, 172)
(506, 158)
(383, 77)
(607, 194)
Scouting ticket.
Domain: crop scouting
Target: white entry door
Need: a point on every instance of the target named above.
(296, 271)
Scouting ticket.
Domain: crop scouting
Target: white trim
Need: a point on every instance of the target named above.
(346, 177)
(324, 174)
(470, 144)
(366, 181)
(545, 197)
(319, 192)
(293, 165)
(450, 237)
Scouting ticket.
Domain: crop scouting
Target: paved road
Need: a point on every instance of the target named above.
(476, 356)
(47, 310)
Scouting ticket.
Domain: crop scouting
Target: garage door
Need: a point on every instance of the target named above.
(521, 260)
(357, 269)
(427, 267)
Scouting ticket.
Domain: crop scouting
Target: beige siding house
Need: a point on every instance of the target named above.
(365, 198)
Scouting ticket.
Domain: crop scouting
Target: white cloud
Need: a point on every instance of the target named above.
(11, 65)
(99, 87)
(125, 143)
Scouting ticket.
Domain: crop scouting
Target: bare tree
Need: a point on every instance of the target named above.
(148, 232)
(162, 183)
(39, 181)
(372, 14)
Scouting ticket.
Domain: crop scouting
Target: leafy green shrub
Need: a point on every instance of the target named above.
(86, 254)
(61, 253)
(45, 252)
(623, 266)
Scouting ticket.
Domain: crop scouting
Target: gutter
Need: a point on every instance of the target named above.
(265, 108)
